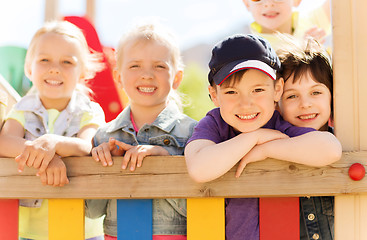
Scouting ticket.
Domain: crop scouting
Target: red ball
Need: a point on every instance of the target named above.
(356, 171)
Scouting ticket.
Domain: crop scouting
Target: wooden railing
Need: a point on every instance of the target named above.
(167, 177)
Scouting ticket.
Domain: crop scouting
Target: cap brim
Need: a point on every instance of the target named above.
(239, 65)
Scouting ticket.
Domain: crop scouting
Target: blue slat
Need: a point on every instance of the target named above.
(134, 219)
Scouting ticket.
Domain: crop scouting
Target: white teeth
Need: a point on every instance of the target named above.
(146, 89)
(247, 117)
(305, 117)
(53, 82)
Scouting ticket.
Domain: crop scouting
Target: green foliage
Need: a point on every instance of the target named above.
(194, 89)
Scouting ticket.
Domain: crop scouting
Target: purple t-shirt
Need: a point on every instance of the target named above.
(242, 214)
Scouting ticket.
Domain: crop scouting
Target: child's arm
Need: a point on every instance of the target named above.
(207, 161)
(39, 152)
(317, 148)
(76, 146)
(11, 139)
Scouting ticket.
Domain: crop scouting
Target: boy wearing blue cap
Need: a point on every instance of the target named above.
(243, 86)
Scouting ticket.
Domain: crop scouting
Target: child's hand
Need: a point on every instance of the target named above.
(37, 153)
(265, 135)
(136, 154)
(317, 33)
(256, 154)
(103, 153)
(55, 174)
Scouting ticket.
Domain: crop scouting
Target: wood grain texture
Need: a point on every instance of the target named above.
(166, 177)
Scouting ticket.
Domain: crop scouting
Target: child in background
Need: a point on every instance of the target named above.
(244, 87)
(307, 102)
(149, 69)
(272, 16)
(55, 119)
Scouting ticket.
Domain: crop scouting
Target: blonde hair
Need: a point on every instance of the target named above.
(90, 60)
(153, 32)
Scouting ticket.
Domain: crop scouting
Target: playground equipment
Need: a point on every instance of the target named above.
(165, 177)
(12, 68)
(102, 85)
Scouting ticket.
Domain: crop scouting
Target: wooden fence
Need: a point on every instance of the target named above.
(167, 177)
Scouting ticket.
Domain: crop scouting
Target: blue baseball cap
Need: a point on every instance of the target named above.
(240, 52)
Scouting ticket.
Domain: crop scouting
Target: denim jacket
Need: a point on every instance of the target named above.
(317, 216)
(67, 124)
(171, 130)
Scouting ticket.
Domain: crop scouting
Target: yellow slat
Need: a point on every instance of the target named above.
(66, 219)
(205, 219)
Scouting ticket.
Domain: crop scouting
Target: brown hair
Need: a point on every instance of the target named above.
(309, 56)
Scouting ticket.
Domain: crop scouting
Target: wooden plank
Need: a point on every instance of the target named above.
(278, 216)
(205, 219)
(360, 48)
(66, 219)
(160, 176)
(134, 219)
(51, 10)
(350, 36)
(90, 10)
(344, 64)
(351, 217)
(9, 222)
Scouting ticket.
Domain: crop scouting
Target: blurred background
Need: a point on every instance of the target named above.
(198, 25)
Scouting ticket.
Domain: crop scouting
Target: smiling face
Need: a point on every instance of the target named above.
(306, 103)
(248, 104)
(272, 15)
(147, 75)
(55, 68)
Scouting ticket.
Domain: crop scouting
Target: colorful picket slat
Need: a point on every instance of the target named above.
(134, 219)
(205, 218)
(279, 218)
(9, 219)
(66, 219)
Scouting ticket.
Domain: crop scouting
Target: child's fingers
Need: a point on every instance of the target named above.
(21, 160)
(56, 178)
(39, 159)
(101, 156)
(140, 159)
(44, 165)
(126, 159)
(50, 178)
(133, 160)
(43, 177)
(63, 177)
(112, 143)
(240, 168)
(31, 158)
(95, 154)
(123, 145)
(107, 155)
(104, 155)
